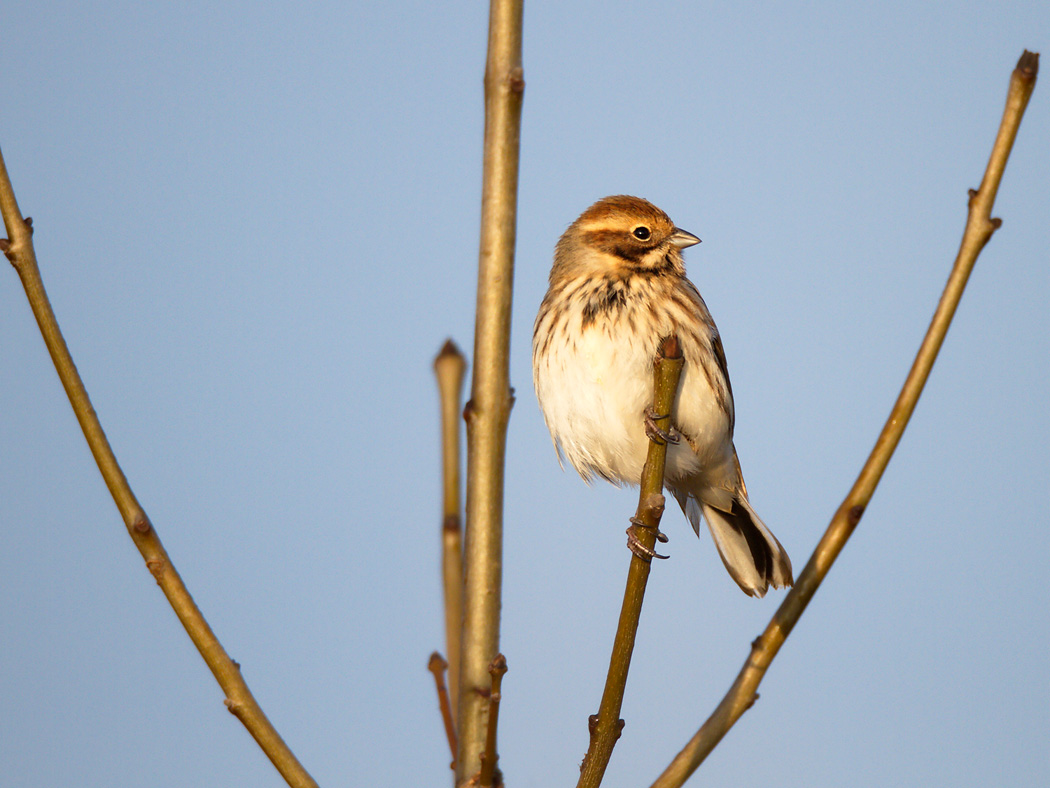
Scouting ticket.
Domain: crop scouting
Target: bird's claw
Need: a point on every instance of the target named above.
(655, 433)
(635, 545)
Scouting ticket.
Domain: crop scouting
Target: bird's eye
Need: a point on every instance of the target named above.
(641, 233)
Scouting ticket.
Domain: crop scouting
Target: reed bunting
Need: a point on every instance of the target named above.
(617, 287)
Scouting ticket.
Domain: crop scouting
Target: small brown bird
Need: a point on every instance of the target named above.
(617, 287)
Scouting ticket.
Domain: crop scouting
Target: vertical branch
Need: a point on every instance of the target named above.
(449, 367)
(979, 228)
(606, 725)
(488, 411)
(239, 700)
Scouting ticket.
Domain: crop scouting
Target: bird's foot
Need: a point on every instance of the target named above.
(635, 545)
(657, 435)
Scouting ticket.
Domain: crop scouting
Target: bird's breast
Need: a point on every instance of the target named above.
(593, 371)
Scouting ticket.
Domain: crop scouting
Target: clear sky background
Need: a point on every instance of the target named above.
(258, 223)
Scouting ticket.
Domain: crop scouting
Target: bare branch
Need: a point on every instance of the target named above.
(605, 727)
(979, 228)
(491, 398)
(450, 367)
(437, 665)
(239, 699)
(490, 775)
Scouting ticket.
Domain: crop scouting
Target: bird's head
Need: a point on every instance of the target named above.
(620, 236)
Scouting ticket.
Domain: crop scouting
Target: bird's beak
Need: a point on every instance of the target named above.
(682, 239)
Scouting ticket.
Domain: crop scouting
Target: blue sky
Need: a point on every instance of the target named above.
(258, 224)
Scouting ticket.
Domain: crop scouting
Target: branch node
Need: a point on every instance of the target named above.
(855, 513)
(451, 523)
(497, 669)
(654, 504)
(516, 80)
(155, 567)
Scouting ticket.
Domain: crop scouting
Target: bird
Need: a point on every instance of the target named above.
(617, 287)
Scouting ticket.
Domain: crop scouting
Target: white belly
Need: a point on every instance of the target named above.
(594, 393)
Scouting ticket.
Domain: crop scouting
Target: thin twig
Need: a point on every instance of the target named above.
(449, 367)
(605, 727)
(239, 700)
(491, 397)
(979, 228)
(438, 666)
(490, 775)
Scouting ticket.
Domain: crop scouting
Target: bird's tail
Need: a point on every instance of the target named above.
(750, 552)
